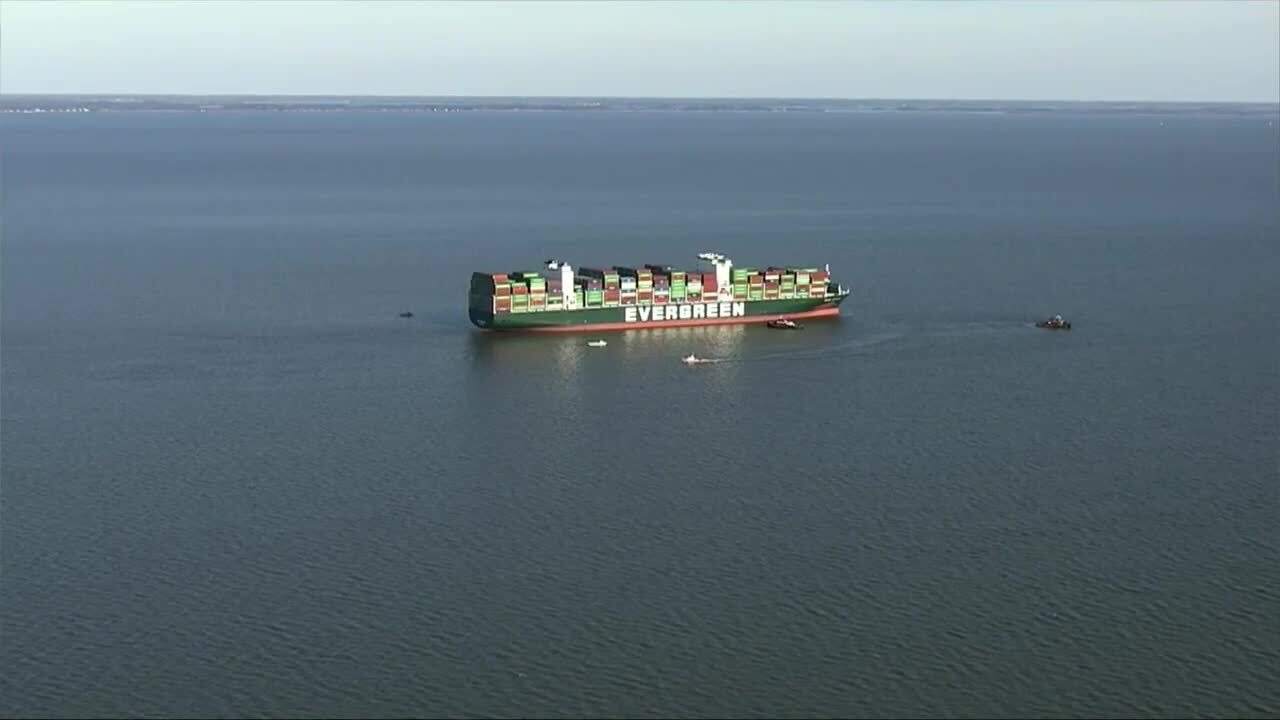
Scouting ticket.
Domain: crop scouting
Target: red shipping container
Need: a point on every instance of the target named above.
(500, 278)
(520, 289)
(820, 275)
(502, 305)
(502, 291)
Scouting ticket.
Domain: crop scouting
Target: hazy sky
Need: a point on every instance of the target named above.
(1071, 49)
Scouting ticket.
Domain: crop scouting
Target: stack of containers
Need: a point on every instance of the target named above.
(627, 284)
(537, 292)
(802, 283)
(693, 286)
(818, 284)
(772, 283)
(755, 286)
(678, 287)
(592, 286)
(519, 297)
(555, 294)
(612, 289)
(740, 283)
(710, 286)
(501, 293)
(644, 283)
(661, 287)
(788, 290)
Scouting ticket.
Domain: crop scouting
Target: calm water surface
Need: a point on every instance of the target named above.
(235, 483)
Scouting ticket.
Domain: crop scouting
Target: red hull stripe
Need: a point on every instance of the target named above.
(824, 311)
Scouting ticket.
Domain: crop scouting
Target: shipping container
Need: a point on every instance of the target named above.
(502, 304)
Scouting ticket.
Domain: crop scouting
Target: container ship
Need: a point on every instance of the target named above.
(563, 299)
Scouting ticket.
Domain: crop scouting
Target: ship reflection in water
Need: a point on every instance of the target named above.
(565, 360)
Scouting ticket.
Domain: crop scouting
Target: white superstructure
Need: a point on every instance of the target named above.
(723, 266)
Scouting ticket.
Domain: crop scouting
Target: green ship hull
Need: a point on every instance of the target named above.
(640, 317)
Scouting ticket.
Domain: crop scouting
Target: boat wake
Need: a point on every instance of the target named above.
(851, 347)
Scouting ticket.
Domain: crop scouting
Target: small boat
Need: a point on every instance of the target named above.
(406, 314)
(784, 324)
(597, 343)
(691, 359)
(1054, 323)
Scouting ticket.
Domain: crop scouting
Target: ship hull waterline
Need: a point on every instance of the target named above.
(616, 319)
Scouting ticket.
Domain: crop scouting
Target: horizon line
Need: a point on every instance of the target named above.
(828, 98)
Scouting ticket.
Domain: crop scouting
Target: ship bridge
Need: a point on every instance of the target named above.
(723, 266)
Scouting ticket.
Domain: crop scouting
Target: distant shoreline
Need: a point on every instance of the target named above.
(334, 103)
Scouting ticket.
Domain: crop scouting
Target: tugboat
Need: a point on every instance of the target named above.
(784, 324)
(1054, 323)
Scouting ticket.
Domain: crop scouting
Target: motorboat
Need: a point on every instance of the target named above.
(784, 324)
(1054, 323)
(597, 343)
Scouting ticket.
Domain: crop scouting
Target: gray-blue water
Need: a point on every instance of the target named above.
(236, 483)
